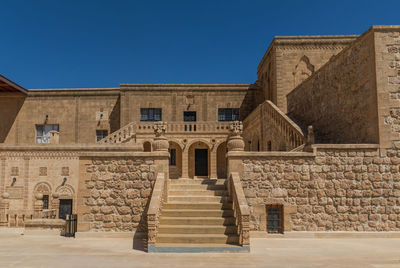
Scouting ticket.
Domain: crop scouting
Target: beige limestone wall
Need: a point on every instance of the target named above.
(175, 99)
(338, 188)
(290, 60)
(115, 191)
(77, 112)
(339, 100)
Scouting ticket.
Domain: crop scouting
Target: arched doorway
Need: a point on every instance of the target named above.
(175, 160)
(146, 146)
(221, 161)
(199, 158)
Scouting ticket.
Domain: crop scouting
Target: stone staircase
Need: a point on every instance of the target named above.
(197, 217)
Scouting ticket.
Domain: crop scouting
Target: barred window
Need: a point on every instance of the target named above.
(45, 202)
(189, 116)
(43, 133)
(228, 114)
(150, 114)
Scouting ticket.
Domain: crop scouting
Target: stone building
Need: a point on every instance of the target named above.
(317, 149)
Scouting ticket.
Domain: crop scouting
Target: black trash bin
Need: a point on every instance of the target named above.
(71, 224)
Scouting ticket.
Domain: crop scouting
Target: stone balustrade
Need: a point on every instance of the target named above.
(158, 195)
(291, 131)
(122, 135)
(240, 208)
(49, 213)
(187, 127)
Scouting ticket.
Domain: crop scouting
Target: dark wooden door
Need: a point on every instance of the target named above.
(65, 208)
(201, 162)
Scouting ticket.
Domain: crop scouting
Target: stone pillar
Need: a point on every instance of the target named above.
(235, 139)
(235, 144)
(38, 206)
(213, 163)
(4, 206)
(160, 142)
(185, 162)
(55, 203)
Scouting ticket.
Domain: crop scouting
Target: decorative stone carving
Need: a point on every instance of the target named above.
(303, 70)
(65, 191)
(43, 171)
(65, 171)
(43, 188)
(235, 140)
(14, 171)
(160, 142)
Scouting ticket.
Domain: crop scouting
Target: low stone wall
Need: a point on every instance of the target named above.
(336, 188)
(115, 190)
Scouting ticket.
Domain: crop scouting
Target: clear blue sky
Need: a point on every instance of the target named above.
(58, 44)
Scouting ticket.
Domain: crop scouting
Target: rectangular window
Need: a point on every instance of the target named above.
(45, 202)
(150, 114)
(274, 218)
(101, 134)
(228, 114)
(43, 133)
(189, 116)
(172, 158)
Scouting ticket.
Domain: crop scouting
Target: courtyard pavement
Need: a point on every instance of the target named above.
(45, 250)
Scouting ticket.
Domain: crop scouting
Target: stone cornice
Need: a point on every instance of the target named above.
(62, 92)
(184, 87)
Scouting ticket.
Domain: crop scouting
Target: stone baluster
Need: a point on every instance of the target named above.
(4, 206)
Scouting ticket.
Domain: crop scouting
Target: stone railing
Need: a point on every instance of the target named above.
(158, 195)
(49, 213)
(291, 132)
(187, 127)
(121, 135)
(240, 208)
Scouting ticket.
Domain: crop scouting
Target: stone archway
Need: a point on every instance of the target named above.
(65, 200)
(147, 146)
(199, 159)
(221, 161)
(43, 188)
(175, 161)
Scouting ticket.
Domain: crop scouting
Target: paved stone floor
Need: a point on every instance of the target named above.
(32, 250)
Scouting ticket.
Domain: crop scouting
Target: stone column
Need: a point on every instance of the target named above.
(185, 162)
(38, 206)
(55, 204)
(235, 144)
(213, 163)
(4, 206)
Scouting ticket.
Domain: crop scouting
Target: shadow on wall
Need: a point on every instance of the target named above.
(115, 117)
(9, 109)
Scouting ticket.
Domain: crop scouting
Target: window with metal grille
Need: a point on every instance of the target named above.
(189, 116)
(274, 218)
(150, 114)
(45, 202)
(43, 133)
(101, 134)
(172, 158)
(228, 114)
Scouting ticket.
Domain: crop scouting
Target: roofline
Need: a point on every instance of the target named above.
(13, 84)
(301, 40)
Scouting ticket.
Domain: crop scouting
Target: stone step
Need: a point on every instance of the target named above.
(190, 205)
(198, 248)
(198, 181)
(176, 187)
(197, 220)
(198, 199)
(197, 229)
(197, 192)
(196, 213)
(198, 238)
